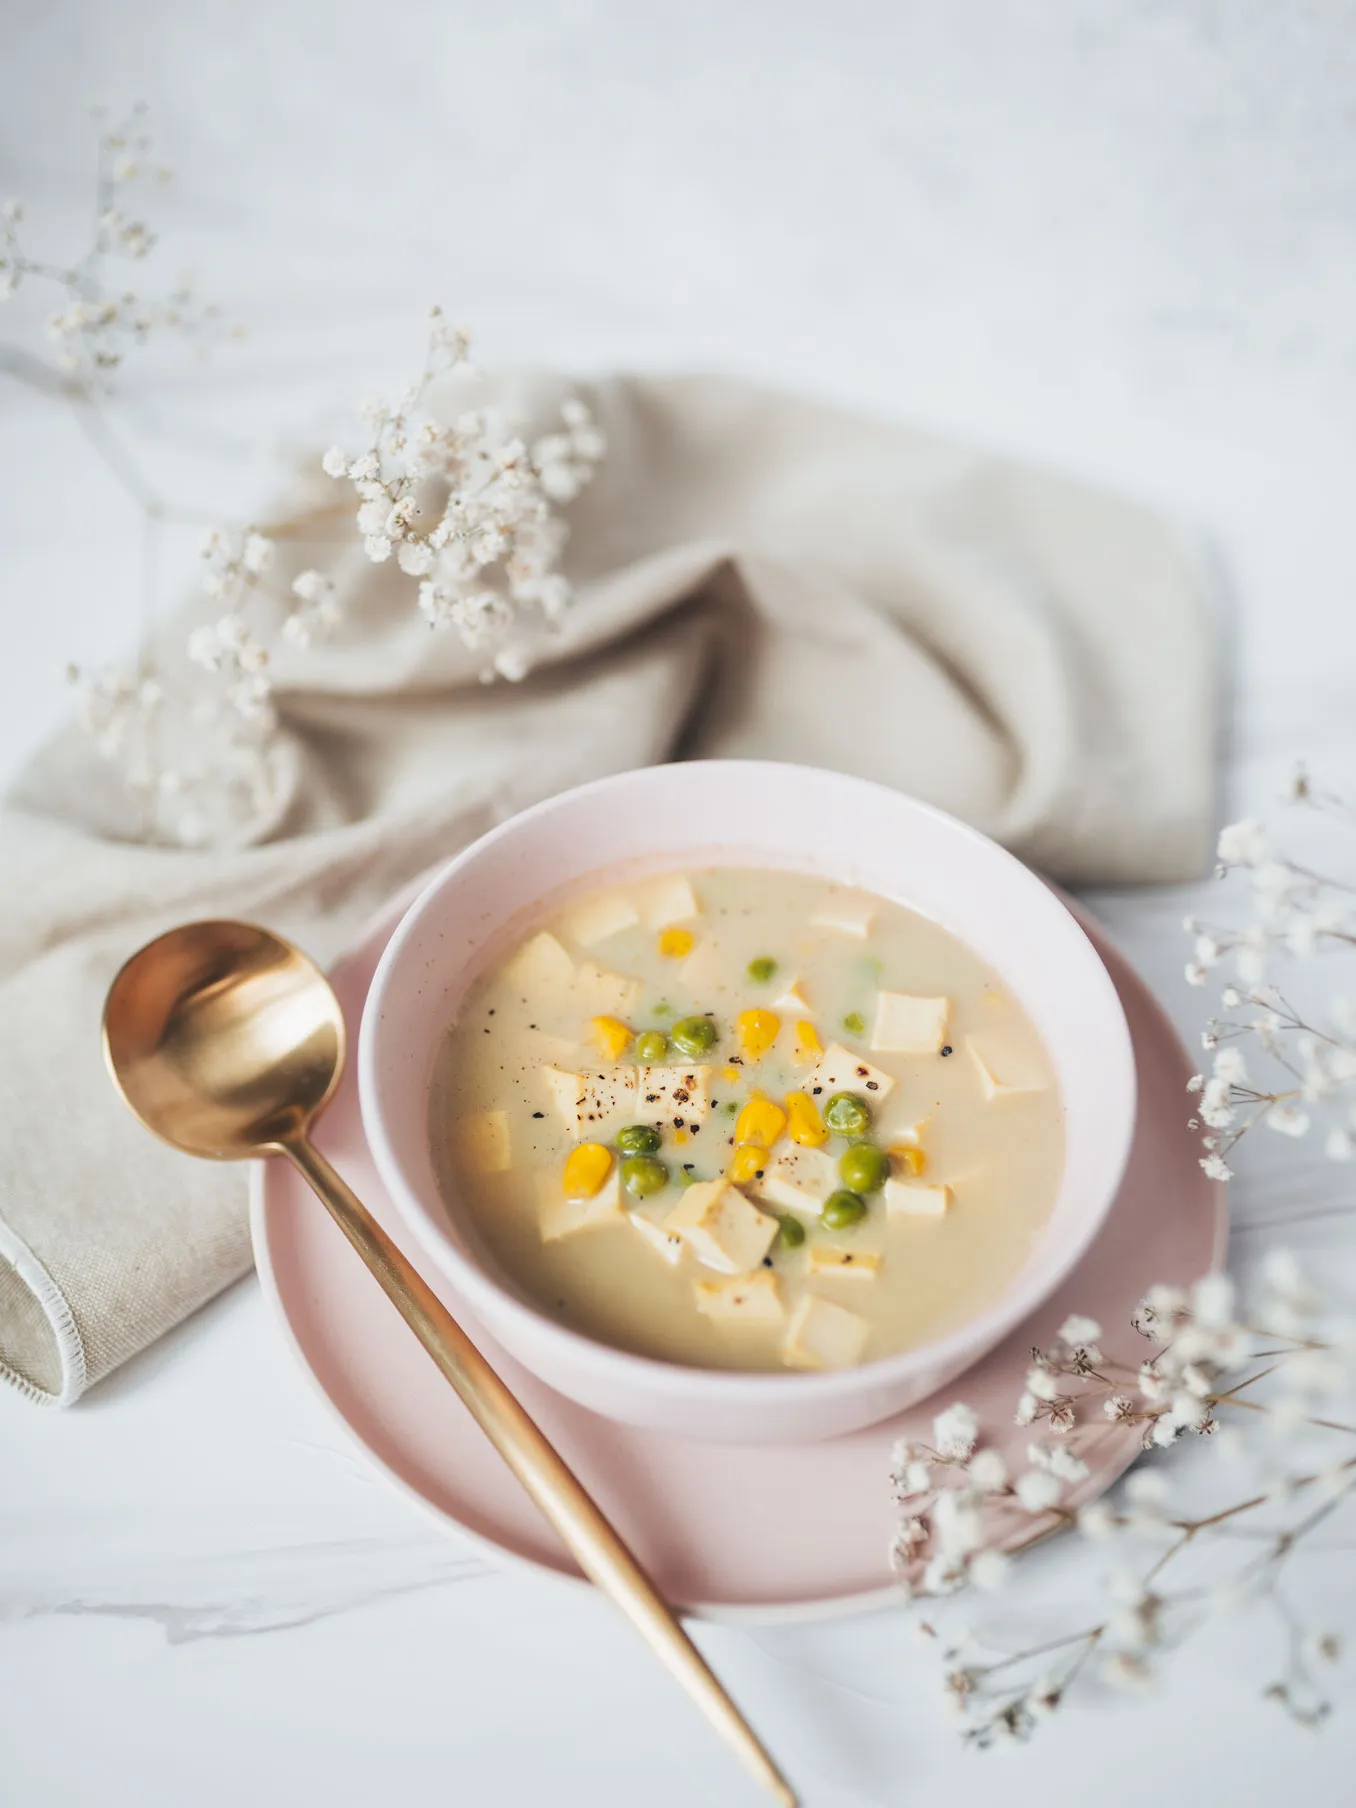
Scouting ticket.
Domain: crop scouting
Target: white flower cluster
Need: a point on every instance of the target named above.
(1274, 1373)
(100, 319)
(467, 507)
(1298, 914)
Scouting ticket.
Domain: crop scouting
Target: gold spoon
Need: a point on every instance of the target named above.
(228, 1043)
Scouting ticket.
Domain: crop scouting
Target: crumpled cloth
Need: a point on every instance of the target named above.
(755, 575)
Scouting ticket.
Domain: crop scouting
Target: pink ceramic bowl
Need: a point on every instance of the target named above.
(749, 813)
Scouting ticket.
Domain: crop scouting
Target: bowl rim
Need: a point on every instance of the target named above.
(738, 1387)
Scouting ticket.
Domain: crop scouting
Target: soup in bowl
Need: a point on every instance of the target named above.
(742, 1100)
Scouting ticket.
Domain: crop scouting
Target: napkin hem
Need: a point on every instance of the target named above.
(56, 1308)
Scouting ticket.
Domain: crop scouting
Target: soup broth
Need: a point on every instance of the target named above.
(749, 1120)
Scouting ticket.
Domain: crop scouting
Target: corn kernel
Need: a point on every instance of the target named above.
(610, 1035)
(730, 1073)
(586, 1168)
(910, 1159)
(804, 1122)
(760, 1122)
(676, 943)
(808, 1046)
(757, 1031)
(746, 1163)
(680, 1136)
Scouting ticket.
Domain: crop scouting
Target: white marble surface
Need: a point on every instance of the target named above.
(1117, 239)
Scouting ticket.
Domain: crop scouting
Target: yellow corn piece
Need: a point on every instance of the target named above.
(803, 1121)
(610, 1035)
(587, 1166)
(760, 1122)
(911, 1159)
(730, 1073)
(746, 1163)
(680, 1136)
(808, 1046)
(675, 943)
(757, 1031)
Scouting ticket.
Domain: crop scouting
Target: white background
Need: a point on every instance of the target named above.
(1115, 238)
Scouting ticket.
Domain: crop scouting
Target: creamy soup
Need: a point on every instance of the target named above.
(748, 1119)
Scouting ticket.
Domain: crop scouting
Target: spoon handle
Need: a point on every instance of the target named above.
(584, 1529)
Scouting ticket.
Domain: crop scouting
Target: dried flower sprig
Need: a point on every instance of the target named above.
(467, 507)
(100, 320)
(1210, 1368)
(1297, 913)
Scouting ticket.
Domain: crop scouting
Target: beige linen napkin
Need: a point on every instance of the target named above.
(755, 575)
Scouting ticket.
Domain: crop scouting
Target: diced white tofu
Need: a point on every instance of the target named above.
(541, 970)
(673, 1092)
(483, 1141)
(1000, 1076)
(903, 1136)
(598, 993)
(597, 918)
(906, 1025)
(705, 971)
(562, 1217)
(847, 1264)
(665, 1244)
(792, 1002)
(916, 1199)
(849, 912)
(752, 1299)
(667, 900)
(586, 1100)
(798, 1178)
(840, 1070)
(725, 1230)
(823, 1335)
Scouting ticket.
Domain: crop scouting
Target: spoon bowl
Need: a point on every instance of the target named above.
(224, 1039)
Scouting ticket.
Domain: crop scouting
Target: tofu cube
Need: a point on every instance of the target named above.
(596, 919)
(483, 1141)
(998, 1078)
(792, 1002)
(586, 1100)
(666, 1245)
(669, 1093)
(562, 1217)
(844, 1264)
(746, 1299)
(705, 971)
(667, 900)
(822, 1335)
(798, 1179)
(906, 1025)
(724, 1230)
(841, 1071)
(849, 912)
(601, 994)
(916, 1199)
(541, 970)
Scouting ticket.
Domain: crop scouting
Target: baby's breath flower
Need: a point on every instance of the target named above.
(954, 1432)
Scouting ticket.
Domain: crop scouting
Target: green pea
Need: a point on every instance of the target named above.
(840, 1209)
(853, 1023)
(651, 1045)
(792, 1231)
(693, 1035)
(638, 1139)
(663, 1009)
(864, 1168)
(760, 971)
(847, 1114)
(642, 1175)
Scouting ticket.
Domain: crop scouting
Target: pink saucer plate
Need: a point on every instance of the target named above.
(756, 1533)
